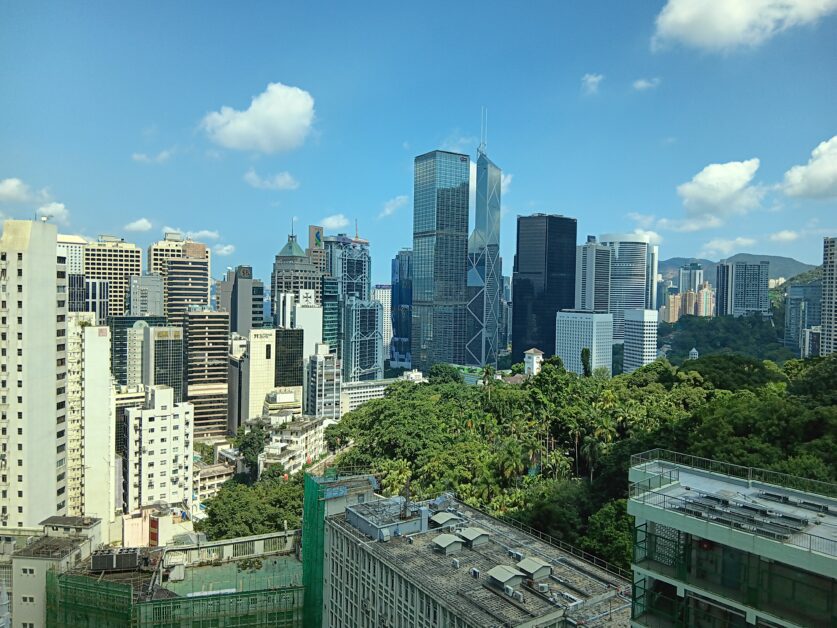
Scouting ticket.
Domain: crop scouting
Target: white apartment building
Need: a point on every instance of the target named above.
(158, 465)
(575, 331)
(295, 441)
(252, 376)
(91, 437)
(640, 339)
(114, 260)
(828, 337)
(355, 394)
(324, 384)
(33, 374)
(71, 247)
(383, 294)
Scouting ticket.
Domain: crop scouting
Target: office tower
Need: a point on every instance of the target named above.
(324, 379)
(803, 310)
(158, 464)
(331, 313)
(97, 299)
(576, 330)
(592, 276)
(116, 261)
(126, 353)
(382, 293)
(440, 257)
(640, 339)
(507, 303)
(207, 338)
(348, 260)
(289, 358)
(828, 339)
(482, 341)
(705, 300)
(252, 374)
(308, 317)
(316, 247)
(691, 277)
(812, 342)
(402, 309)
(717, 544)
(71, 248)
(162, 359)
(723, 289)
(75, 293)
(243, 297)
(173, 246)
(146, 296)
(33, 388)
(187, 282)
(293, 271)
(91, 440)
(633, 276)
(543, 281)
(742, 289)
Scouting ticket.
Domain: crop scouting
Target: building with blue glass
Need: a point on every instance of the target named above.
(402, 309)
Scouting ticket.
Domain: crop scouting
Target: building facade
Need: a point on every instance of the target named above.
(243, 297)
(187, 282)
(113, 260)
(382, 293)
(402, 309)
(293, 271)
(592, 276)
(252, 375)
(640, 339)
(146, 296)
(691, 277)
(578, 330)
(803, 310)
(289, 365)
(742, 289)
(324, 384)
(206, 341)
(828, 338)
(162, 359)
(126, 352)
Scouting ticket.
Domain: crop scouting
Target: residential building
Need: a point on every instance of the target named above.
(126, 350)
(812, 342)
(705, 300)
(803, 310)
(640, 339)
(828, 341)
(688, 303)
(532, 361)
(293, 441)
(289, 369)
(324, 384)
(382, 293)
(440, 256)
(355, 394)
(187, 281)
(206, 341)
(146, 295)
(283, 401)
(691, 277)
(592, 276)
(543, 280)
(162, 359)
(158, 463)
(633, 276)
(207, 480)
(252, 375)
(673, 308)
(484, 278)
(577, 330)
(293, 271)
(243, 297)
(71, 248)
(115, 261)
(33, 360)
(742, 289)
(717, 544)
(401, 312)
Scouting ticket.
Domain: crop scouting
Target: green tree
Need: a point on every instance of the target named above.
(444, 374)
(518, 368)
(250, 443)
(610, 534)
(585, 362)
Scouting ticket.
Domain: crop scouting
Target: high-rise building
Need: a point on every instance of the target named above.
(803, 310)
(289, 369)
(688, 303)
(187, 282)
(91, 439)
(173, 246)
(576, 330)
(33, 440)
(71, 247)
(146, 296)
(293, 271)
(705, 300)
(440, 257)
(633, 276)
(691, 277)
(382, 293)
(742, 289)
(717, 544)
(484, 278)
(115, 261)
(97, 299)
(811, 342)
(640, 339)
(126, 350)
(673, 308)
(543, 280)
(316, 247)
(162, 359)
(207, 338)
(252, 375)
(158, 464)
(592, 276)
(402, 309)
(828, 339)
(243, 297)
(332, 322)
(324, 379)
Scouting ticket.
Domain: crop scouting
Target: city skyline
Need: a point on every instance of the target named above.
(672, 109)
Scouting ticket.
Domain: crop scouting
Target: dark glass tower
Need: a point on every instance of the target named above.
(543, 281)
(119, 326)
(402, 308)
(440, 257)
(288, 357)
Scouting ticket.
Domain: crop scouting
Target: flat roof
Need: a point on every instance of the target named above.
(51, 547)
(74, 522)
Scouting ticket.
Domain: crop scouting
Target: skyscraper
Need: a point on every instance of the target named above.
(316, 247)
(742, 289)
(122, 359)
(71, 247)
(691, 277)
(633, 276)
(207, 337)
(543, 281)
(382, 293)
(162, 359)
(331, 313)
(293, 271)
(116, 261)
(289, 359)
(592, 276)
(440, 257)
(828, 335)
(186, 281)
(146, 296)
(173, 245)
(484, 279)
(640, 339)
(576, 331)
(803, 310)
(402, 309)
(324, 378)
(243, 297)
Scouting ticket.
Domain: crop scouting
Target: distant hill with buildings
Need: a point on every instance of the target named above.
(779, 266)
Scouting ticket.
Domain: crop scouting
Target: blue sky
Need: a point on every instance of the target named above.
(708, 122)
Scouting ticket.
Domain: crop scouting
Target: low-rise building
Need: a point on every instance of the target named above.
(207, 480)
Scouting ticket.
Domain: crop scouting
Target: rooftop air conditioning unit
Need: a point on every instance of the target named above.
(475, 573)
(508, 590)
(455, 563)
(543, 587)
(518, 595)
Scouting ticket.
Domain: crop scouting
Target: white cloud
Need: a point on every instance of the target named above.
(223, 249)
(644, 84)
(721, 25)
(643, 220)
(278, 119)
(278, 181)
(335, 221)
(786, 235)
(590, 83)
(456, 142)
(14, 190)
(653, 236)
(57, 212)
(725, 247)
(162, 157)
(818, 178)
(392, 205)
(141, 224)
(505, 183)
(201, 234)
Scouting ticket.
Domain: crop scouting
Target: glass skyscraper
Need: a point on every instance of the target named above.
(402, 308)
(440, 258)
(543, 281)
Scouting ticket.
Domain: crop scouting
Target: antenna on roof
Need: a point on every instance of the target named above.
(483, 130)
(357, 235)
(292, 225)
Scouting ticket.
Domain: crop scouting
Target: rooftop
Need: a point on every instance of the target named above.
(51, 547)
(72, 522)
